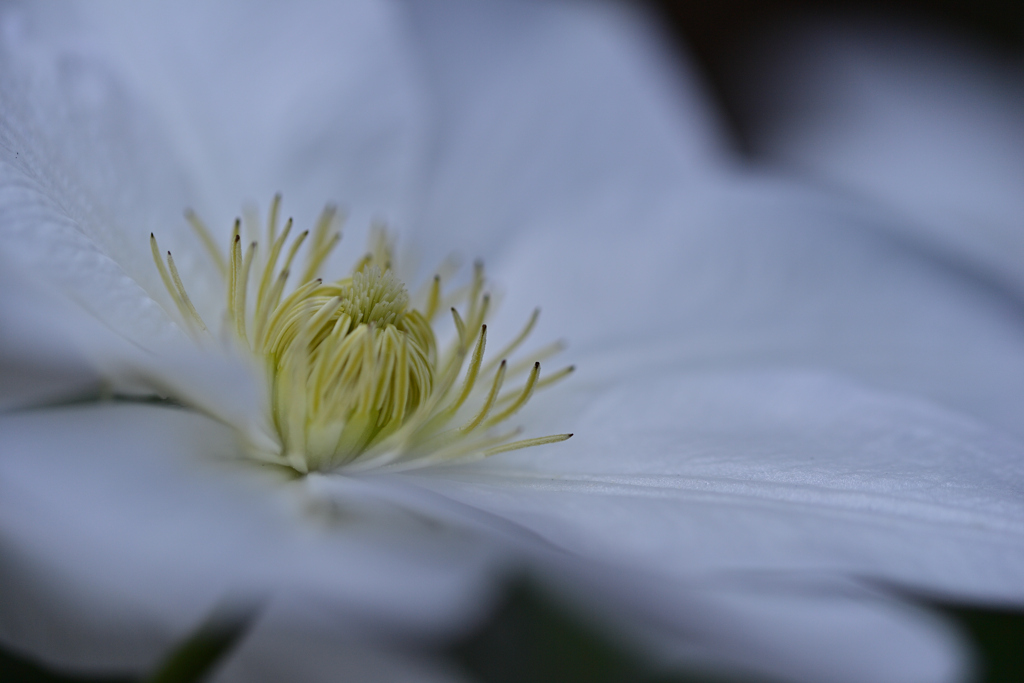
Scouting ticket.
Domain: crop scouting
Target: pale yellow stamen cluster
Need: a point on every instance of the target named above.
(354, 375)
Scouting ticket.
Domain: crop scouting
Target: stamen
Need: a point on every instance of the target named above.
(234, 265)
(519, 402)
(434, 299)
(183, 301)
(166, 277)
(541, 384)
(354, 376)
(240, 293)
(475, 289)
(275, 207)
(321, 246)
(264, 307)
(294, 249)
(207, 239)
(474, 369)
(460, 327)
(526, 443)
(486, 408)
(295, 405)
(479, 315)
(551, 379)
(543, 353)
(514, 344)
(455, 449)
(273, 253)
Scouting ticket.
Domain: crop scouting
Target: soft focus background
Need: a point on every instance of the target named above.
(734, 40)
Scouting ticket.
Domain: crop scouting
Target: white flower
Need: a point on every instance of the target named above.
(779, 406)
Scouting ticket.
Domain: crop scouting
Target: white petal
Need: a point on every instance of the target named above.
(316, 100)
(792, 627)
(103, 111)
(120, 536)
(691, 473)
(761, 273)
(925, 123)
(85, 176)
(748, 483)
(814, 632)
(39, 359)
(543, 104)
(52, 349)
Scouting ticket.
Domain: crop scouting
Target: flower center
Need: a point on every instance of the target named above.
(353, 374)
(348, 349)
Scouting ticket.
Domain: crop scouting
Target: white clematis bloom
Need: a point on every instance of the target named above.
(781, 404)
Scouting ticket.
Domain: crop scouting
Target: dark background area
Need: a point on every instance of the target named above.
(720, 36)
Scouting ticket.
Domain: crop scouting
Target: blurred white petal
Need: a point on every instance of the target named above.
(925, 123)
(122, 532)
(543, 106)
(38, 362)
(85, 175)
(319, 101)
